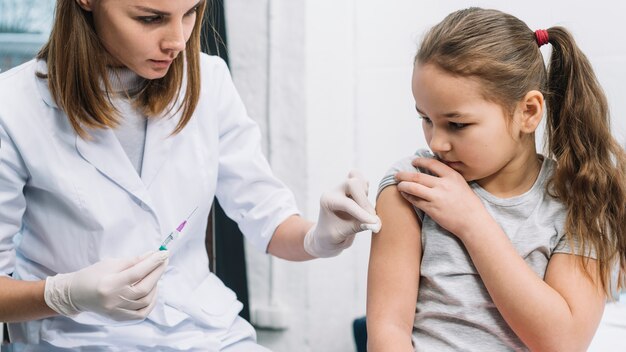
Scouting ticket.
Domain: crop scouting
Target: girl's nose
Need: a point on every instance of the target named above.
(439, 142)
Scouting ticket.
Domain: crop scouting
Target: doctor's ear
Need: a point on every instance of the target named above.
(86, 5)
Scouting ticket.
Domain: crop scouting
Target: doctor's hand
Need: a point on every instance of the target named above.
(120, 289)
(344, 211)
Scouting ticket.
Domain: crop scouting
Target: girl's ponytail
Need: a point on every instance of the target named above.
(591, 165)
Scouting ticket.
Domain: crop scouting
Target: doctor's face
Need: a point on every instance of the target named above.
(143, 35)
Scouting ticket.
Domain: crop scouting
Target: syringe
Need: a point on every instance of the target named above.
(176, 233)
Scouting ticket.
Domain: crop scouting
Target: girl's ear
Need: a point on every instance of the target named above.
(85, 4)
(532, 111)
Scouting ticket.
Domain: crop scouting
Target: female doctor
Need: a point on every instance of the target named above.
(108, 140)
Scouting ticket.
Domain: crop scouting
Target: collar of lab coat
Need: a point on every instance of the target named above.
(104, 151)
(42, 84)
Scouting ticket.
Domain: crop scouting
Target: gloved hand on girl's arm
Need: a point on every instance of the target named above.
(344, 211)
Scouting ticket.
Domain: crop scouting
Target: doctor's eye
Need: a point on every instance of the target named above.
(150, 19)
(193, 11)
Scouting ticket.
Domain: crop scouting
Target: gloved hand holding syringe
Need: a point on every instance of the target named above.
(120, 289)
(176, 233)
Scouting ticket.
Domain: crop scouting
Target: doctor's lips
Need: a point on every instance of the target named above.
(161, 63)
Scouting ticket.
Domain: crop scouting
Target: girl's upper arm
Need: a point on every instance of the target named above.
(394, 263)
(581, 289)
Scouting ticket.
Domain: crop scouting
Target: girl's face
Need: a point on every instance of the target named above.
(472, 135)
(143, 35)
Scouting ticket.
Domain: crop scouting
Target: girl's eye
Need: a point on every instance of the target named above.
(150, 19)
(425, 119)
(457, 126)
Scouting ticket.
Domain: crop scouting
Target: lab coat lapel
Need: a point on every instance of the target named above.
(106, 154)
(158, 145)
(42, 85)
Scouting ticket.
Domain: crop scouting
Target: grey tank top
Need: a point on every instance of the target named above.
(454, 311)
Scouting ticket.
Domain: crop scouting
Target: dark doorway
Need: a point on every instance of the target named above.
(229, 263)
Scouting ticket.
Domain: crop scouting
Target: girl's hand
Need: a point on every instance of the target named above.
(445, 197)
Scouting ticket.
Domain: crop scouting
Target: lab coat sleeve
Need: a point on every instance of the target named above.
(12, 202)
(246, 188)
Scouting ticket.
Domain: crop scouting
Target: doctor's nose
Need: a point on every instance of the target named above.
(175, 39)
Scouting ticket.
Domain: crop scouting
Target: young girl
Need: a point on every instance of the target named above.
(502, 248)
(111, 138)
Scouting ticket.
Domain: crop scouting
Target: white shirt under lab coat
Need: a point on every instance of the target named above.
(67, 202)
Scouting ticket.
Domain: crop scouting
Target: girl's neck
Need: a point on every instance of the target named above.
(516, 177)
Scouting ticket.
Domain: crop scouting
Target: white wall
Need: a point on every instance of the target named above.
(329, 82)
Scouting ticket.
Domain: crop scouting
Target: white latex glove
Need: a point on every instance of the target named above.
(344, 211)
(120, 289)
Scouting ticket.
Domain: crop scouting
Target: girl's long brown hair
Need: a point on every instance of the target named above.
(590, 176)
(76, 64)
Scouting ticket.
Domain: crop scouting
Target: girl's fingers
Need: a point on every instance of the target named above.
(433, 165)
(415, 189)
(418, 177)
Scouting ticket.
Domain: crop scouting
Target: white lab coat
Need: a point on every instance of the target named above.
(67, 202)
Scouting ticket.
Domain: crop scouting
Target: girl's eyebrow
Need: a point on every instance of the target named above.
(163, 13)
(449, 115)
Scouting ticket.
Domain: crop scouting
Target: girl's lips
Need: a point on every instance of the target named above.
(452, 164)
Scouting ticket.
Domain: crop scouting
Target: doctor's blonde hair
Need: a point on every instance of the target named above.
(590, 177)
(76, 66)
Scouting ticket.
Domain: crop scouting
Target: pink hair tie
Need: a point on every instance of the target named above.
(542, 37)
